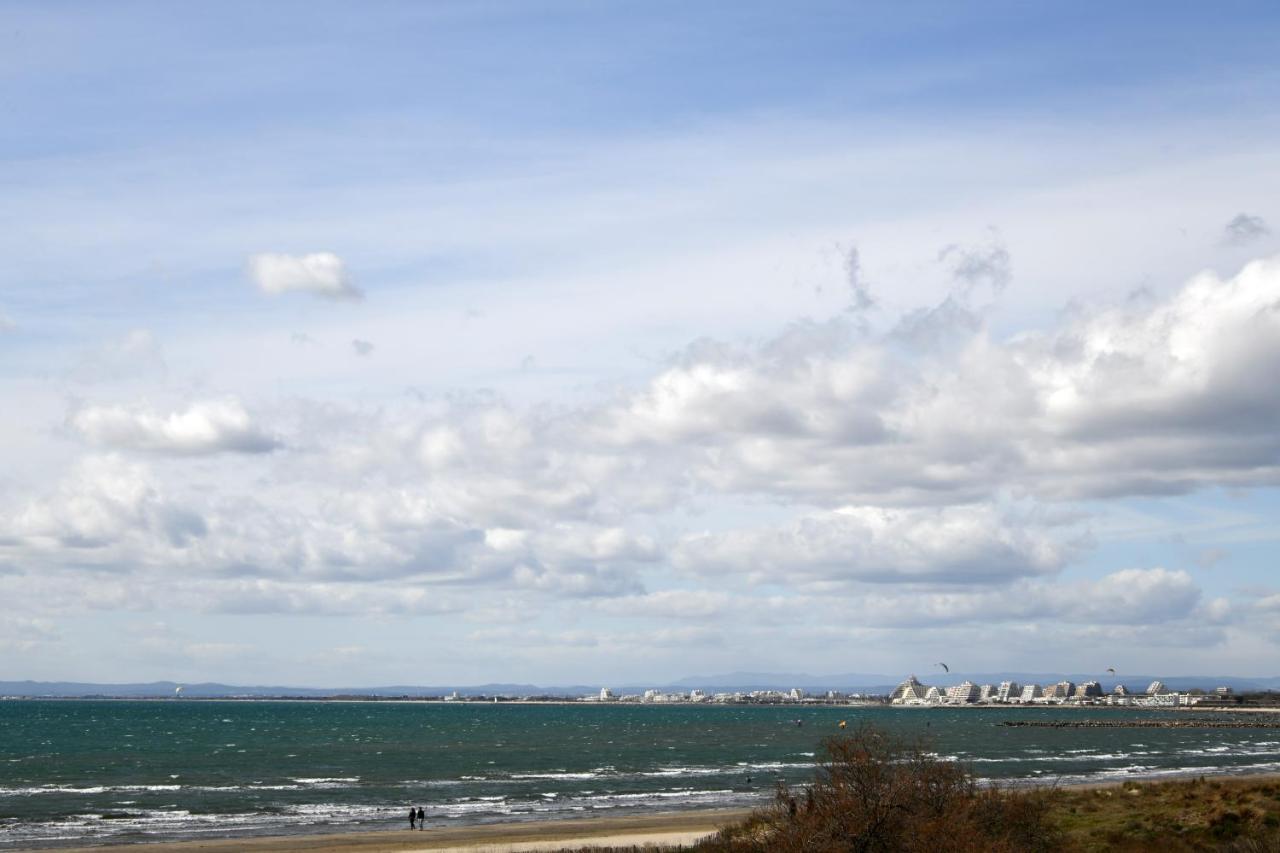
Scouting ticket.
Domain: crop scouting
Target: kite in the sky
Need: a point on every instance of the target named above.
(943, 665)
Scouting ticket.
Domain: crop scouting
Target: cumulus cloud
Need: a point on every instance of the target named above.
(1129, 596)
(1139, 595)
(319, 273)
(837, 470)
(104, 502)
(1143, 398)
(1126, 597)
(961, 545)
(212, 426)
(1244, 229)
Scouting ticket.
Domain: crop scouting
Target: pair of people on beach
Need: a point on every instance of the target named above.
(419, 816)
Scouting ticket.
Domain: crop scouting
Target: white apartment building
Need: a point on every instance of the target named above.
(1008, 691)
(964, 692)
(1030, 693)
(907, 692)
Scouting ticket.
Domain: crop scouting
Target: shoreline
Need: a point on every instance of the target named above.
(659, 830)
(851, 705)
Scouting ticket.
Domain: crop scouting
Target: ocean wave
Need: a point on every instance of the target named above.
(1141, 772)
(90, 790)
(670, 771)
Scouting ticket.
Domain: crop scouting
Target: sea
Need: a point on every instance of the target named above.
(101, 772)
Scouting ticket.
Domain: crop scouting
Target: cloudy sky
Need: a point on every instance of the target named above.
(354, 344)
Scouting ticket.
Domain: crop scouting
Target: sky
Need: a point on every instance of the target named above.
(580, 343)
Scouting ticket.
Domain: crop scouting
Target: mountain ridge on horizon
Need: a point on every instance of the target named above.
(735, 681)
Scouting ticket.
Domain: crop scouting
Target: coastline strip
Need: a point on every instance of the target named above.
(669, 829)
(1141, 724)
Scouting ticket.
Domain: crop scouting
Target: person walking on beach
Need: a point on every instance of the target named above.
(413, 815)
(422, 819)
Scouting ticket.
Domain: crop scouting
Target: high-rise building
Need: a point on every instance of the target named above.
(965, 691)
(1156, 688)
(1030, 693)
(1088, 690)
(907, 691)
(1008, 691)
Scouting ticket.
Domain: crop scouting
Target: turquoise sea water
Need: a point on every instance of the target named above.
(83, 771)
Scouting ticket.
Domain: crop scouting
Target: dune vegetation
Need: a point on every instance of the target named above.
(874, 792)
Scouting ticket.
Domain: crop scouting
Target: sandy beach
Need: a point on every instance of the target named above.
(666, 829)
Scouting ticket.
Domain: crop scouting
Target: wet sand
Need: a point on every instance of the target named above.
(663, 830)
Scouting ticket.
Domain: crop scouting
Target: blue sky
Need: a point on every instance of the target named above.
(587, 342)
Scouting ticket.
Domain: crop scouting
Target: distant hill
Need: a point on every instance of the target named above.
(729, 682)
(153, 689)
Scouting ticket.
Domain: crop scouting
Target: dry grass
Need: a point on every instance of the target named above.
(1200, 814)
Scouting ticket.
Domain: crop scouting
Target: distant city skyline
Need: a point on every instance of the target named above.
(544, 342)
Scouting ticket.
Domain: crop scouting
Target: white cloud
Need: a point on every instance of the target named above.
(105, 502)
(211, 426)
(361, 347)
(319, 273)
(1142, 596)
(1151, 596)
(961, 545)
(1149, 397)
(898, 480)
